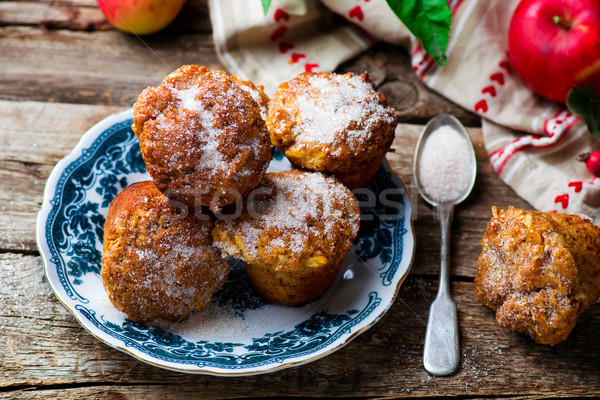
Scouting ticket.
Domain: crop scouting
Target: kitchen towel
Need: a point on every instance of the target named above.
(532, 143)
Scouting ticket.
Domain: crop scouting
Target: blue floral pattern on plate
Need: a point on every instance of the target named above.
(240, 333)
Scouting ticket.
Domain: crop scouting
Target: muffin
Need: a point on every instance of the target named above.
(257, 92)
(202, 136)
(295, 230)
(158, 262)
(336, 124)
(539, 271)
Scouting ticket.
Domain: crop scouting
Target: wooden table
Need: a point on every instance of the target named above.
(62, 69)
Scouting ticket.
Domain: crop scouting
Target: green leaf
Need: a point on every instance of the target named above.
(585, 101)
(266, 4)
(429, 21)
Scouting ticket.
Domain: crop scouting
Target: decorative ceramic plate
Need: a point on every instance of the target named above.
(239, 333)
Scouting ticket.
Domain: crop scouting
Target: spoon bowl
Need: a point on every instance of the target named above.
(441, 352)
(433, 125)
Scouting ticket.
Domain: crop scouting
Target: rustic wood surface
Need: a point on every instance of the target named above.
(63, 68)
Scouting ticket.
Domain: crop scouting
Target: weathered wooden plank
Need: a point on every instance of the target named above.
(43, 346)
(193, 17)
(84, 15)
(43, 133)
(21, 189)
(33, 138)
(53, 15)
(61, 3)
(117, 392)
(109, 67)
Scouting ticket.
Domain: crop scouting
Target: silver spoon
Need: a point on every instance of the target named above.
(441, 352)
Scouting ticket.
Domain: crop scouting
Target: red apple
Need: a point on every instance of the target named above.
(555, 45)
(140, 17)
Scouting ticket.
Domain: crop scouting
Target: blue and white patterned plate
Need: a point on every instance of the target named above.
(239, 334)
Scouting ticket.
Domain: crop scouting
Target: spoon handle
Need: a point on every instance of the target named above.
(441, 350)
(445, 215)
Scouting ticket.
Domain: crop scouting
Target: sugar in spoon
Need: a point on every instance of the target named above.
(444, 167)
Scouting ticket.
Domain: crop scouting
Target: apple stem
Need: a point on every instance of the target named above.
(563, 23)
(583, 157)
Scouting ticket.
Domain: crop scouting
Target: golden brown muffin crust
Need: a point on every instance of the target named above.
(539, 271)
(332, 123)
(293, 234)
(257, 92)
(158, 262)
(202, 136)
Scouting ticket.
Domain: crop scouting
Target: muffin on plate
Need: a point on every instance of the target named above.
(158, 262)
(295, 230)
(202, 136)
(539, 271)
(337, 124)
(257, 92)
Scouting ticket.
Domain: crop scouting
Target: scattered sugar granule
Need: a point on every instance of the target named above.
(445, 164)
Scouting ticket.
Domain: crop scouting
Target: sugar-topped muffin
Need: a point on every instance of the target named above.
(158, 262)
(295, 230)
(337, 124)
(203, 136)
(539, 271)
(257, 92)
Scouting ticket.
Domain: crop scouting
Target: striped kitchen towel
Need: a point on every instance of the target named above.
(532, 143)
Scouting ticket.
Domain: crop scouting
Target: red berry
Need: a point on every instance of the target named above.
(592, 162)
